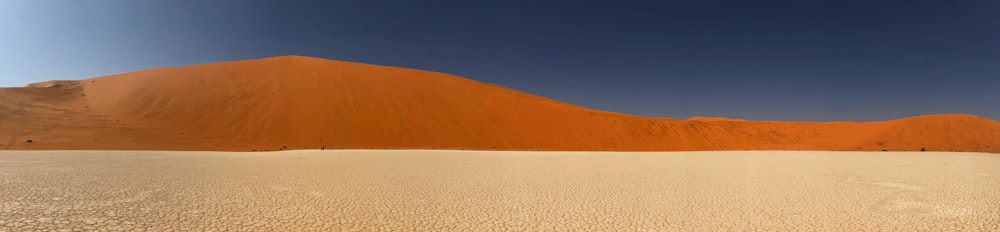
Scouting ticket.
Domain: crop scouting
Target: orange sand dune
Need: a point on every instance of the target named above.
(295, 102)
(703, 118)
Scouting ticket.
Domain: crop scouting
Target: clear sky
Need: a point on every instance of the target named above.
(761, 60)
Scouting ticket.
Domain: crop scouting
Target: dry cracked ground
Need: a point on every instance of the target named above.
(483, 191)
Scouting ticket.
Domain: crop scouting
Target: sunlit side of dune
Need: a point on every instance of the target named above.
(294, 102)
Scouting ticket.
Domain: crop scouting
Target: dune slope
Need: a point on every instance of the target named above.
(294, 102)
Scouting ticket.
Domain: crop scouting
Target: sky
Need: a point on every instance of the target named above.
(760, 60)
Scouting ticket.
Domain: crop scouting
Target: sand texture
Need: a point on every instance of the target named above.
(298, 102)
(373, 190)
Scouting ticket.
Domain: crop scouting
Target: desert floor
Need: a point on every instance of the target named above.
(481, 191)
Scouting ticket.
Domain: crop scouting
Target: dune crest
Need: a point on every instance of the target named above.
(704, 118)
(295, 102)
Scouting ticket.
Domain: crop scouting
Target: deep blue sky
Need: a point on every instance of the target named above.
(761, 60)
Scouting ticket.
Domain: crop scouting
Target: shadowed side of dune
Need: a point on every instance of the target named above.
(294, 102)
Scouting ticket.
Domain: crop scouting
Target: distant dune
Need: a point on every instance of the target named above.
(294, 102)
(703, 118)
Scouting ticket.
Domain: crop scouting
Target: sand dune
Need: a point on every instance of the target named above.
(295, 102)
(703, 118)
(374, 190)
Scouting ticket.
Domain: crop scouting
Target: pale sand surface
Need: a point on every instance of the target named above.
(480, 191)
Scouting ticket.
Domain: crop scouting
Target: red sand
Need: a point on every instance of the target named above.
(301, 102)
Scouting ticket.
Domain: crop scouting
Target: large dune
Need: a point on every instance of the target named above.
(295, 102)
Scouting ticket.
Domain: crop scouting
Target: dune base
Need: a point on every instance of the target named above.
(378, 190)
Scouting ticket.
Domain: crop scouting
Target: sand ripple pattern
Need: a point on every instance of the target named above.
(498, 191)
